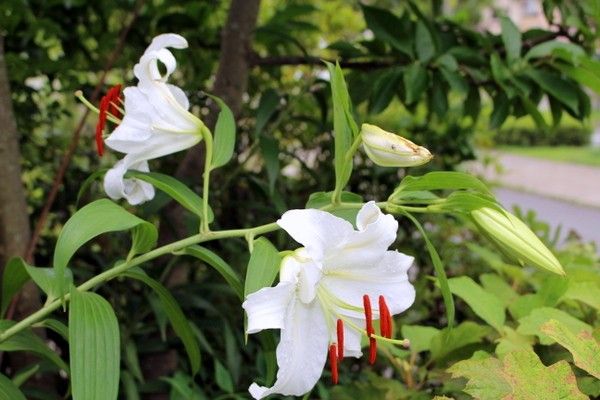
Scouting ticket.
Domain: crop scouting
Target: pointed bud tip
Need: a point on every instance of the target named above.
(390, 150)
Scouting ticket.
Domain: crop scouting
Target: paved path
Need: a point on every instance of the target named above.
(577, 184)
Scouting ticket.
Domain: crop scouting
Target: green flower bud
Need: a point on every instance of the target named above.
(515, 238)
(390, 150)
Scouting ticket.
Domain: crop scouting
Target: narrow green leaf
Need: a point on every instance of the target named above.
(487, 306)
(344, 126)
(415, 82)
(220, 265)
(96, 218)
(389, 28)
(262, 267)
(224, 141)
(424, 44)
(223, 378)
(176, 316)
(440, 180)
(177, 190)
(28, 341)
(440, 272)
(534, 112)
(56, 326)
(8, 390)
(545, 49)
(582, 345)
(501, 110)
(269, 148)
(511, 37)
(269, 101)
(472, 105)
(24, 374)
(384, 89)
(94, 347)
(563, 90)
(13, 279)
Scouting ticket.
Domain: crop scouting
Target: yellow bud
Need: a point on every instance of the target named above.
(515, 238)
(390, 150)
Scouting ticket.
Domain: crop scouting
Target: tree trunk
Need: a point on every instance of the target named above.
(14, 221)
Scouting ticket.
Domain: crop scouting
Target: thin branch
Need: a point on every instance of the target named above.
(270, 61)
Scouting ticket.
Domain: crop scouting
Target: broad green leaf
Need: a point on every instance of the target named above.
(21, 376)
(388, 28)
(561, 89)
(486, 305)
(176, 316)
(545, 49)
(513, 341)
(175, 189)
(511, 37)
(437, 98)
(224, 140)
(223, 377)
(415, 82)
(13, 279)
(424, 45)
(96, 218)
(269, 101)
(440, 272)
(220, 265)
(449, 340)
(440, 180)
(26, 340)
(263, 266)
(384, 89)
(455, 80)
(582, 75)
(472, 105)
(8, 390)
(496, 285)
(419, 336)
(532, 323)
(47, 280)
(321, 199)
(519, 375)
(95, 355)
(269, 148)
(582, 345)
(585, 292)
(344, 126)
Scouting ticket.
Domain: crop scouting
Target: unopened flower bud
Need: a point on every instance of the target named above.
(390, 150)
(515, 238)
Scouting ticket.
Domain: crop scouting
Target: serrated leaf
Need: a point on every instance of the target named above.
(499, 287)
(487, 306)
(220, 265)
(519, 375)
(94, 347)
(513, 341)
(175, 189)
(582, 345)
(26, 340)
(96, 218)
(177, 318)
(511, 37)
(532, 323)
(13, 279)
(9, 391)
(419, 336)
(263, 266)
(224, 136)
(585, 292)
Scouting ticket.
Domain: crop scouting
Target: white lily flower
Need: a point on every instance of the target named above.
(155, 122)
(322, 302)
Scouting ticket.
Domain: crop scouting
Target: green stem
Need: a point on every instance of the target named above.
(122, 267)
(336, 198)
(205, 188)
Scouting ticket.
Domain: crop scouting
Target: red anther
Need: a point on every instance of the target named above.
(333, 364)
(372, 350)
(389, 323)
(340, 339)
(368, 315)
(101, 123)
(383, 328)
(113, 96)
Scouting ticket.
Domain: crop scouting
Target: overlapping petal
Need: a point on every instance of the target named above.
(133, 190)
(266, 307)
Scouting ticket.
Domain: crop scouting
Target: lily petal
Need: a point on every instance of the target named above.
(388, 278)
(146, 69)
(266, 307)
(301, 353)
(317, 230)
(303, 271)
(135, 191)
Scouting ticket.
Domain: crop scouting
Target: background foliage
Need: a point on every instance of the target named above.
(419, 69)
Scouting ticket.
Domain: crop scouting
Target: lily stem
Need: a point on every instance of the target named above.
(336, 198)
(206, 184)
(124, 266)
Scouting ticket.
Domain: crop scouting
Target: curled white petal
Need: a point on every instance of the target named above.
(133, 190)
(266, 307)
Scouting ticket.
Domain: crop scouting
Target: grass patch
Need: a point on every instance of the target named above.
(571, 154)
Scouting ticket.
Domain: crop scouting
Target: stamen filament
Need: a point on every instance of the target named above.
(401, 342)
(340, 339)
(333, 363)
(86, 102)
